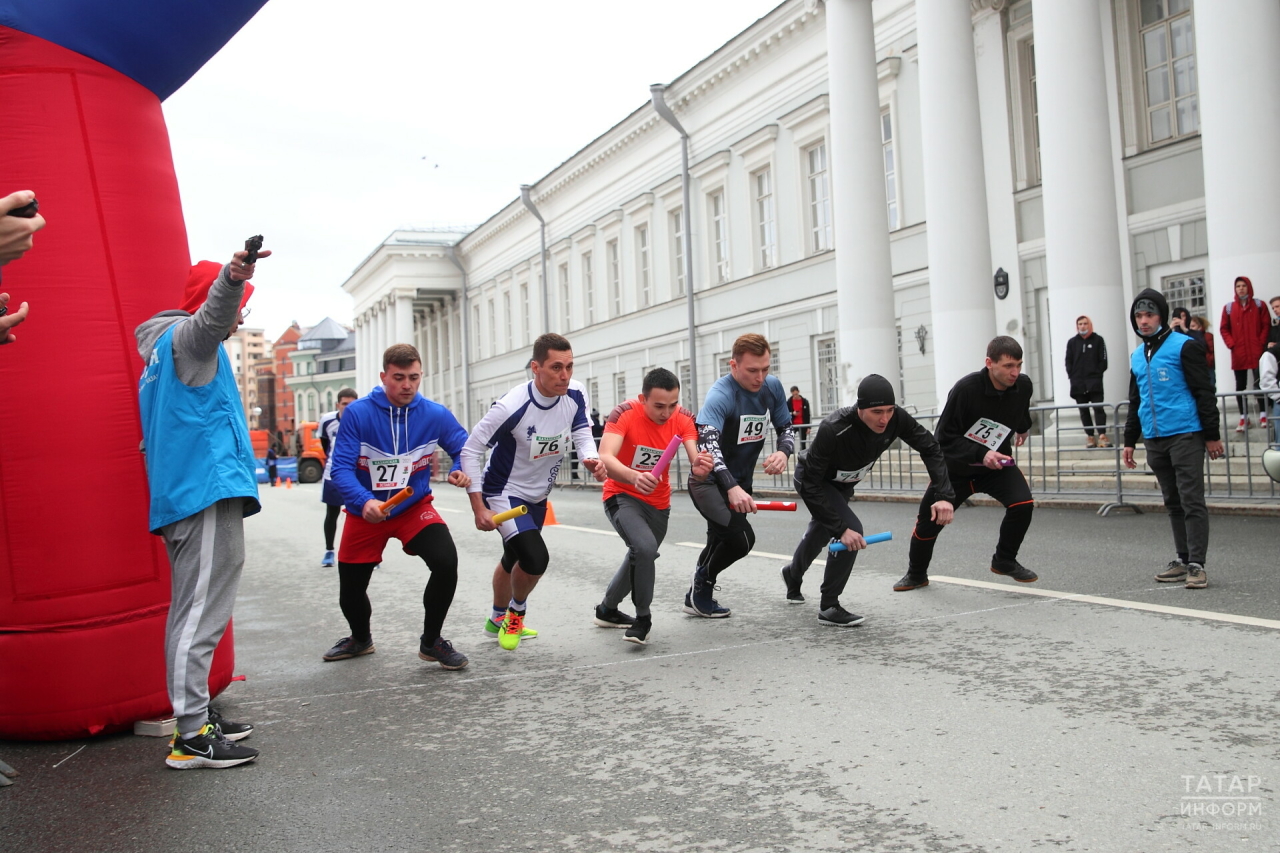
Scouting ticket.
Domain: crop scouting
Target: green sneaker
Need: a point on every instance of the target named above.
(491, 631)
(511, 631)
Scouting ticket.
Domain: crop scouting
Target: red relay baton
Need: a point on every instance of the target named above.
(779, 506)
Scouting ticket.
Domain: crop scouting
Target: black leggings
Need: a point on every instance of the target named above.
(1006, 485)
(331, 514)
(529, 550)
(1242, 384)
(729, 534)
(434, 545)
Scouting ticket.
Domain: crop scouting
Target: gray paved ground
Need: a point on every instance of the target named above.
(957, 718)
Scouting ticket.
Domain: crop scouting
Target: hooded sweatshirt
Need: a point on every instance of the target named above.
(1245, 326)
(193, 425)
(1170, 387)
(374, 432)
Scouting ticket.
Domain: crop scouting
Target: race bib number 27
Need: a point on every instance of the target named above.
(389, 473)
(989, 433)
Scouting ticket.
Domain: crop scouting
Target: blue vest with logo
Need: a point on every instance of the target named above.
(1168, 407)
(197, 441)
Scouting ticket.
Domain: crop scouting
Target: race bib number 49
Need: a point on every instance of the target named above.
(751, 428)
(389, 473)
(645, 458)
(989, 433)
(542, 446)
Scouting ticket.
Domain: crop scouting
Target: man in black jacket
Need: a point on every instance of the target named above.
(848, 442)
(987, 412)
(1086, 362)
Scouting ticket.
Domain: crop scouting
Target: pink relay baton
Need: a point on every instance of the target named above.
(777, 506)
(667, 455)
(1005, 463)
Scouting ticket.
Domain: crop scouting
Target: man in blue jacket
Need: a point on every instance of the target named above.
(1173, 409)
(386, 443)
(203, 482)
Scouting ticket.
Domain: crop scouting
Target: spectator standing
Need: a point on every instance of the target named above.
(1173, 410)
(1086, 362)
(1245, 327)
(1273, 335)
(800, 417)
(272, 472)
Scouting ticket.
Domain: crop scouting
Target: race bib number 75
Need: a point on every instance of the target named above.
(988, 433)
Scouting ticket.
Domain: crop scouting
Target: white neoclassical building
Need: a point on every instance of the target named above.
(859, 173)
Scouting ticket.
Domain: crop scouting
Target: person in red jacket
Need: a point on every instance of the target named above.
(1245, 325)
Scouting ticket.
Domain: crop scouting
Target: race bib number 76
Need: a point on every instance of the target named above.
(542, 446)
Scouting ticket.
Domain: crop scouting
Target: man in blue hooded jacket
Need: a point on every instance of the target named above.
(202, 480)
(1172, 408)
(386, 443)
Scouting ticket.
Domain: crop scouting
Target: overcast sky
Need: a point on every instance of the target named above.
(325, 126)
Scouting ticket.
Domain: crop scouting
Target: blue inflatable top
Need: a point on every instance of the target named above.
(159, 43)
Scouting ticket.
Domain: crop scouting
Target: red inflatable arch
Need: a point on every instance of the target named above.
(84, 588)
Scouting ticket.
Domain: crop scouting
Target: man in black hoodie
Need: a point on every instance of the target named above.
(1086, 362)
(987, 412)
(1173, 409)
(847, 444)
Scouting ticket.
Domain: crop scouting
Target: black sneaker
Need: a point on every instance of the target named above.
(443, 653)
(699, 601)
(609, 617)
(349, 648)
(638, 631)
(208, 749)
(1013, 569)
(911, 580)
(229, 730)
(836, 616)
(793, 586)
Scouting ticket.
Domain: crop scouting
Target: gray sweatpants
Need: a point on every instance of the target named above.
(643, 528)
(1178, 463)
(206, 553)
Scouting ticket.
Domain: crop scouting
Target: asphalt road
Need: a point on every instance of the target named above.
(958, 717)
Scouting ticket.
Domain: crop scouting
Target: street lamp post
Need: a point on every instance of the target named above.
(657, 92)
(526, 196)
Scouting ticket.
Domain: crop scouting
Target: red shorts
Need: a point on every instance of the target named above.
(363, 542)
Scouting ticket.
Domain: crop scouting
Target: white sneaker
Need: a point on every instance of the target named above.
(1240, 426)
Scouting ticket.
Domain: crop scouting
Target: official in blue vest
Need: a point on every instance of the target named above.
(1172, 408)
(201, 473)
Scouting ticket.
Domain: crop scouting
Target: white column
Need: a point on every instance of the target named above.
(362, 355)
(1239, 127)
(402, 312)
(864, 281)
(955, 193)
(1082, 239)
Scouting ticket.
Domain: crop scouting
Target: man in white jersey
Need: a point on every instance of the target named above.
(528, 432)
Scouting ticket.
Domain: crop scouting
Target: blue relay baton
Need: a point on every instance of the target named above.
(870, 540)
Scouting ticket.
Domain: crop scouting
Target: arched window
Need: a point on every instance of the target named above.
(328, 406)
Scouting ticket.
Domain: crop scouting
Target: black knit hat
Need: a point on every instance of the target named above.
(875, 390)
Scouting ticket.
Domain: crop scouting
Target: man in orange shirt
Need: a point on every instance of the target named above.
(637, 503)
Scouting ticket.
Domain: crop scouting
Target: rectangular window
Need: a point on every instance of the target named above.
(1169, 69)
(506, 318)
(589, 288)
(1035, 105)
(775, 359)
(615, 278)
(719, 236)
(619, 388)
(686, 380)
(819, 198)
(566, 300)
(493, 328)
(1185, 291)
(890, 168)
(828, 368)
(475, 332)
(445, 346)
(642, 266)
(766, 224)
(677, 249)
(524, 311)
(593, 392)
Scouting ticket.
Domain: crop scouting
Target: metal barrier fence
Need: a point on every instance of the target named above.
(1054, 460)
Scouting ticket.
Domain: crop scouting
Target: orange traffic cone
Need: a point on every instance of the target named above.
(288, 482)
(551, 516)
(277, 481)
